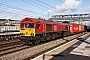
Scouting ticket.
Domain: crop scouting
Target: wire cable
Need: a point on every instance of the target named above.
(50, 6)
(39, 4)
(20, 9)
(33, 4)
(66, 5)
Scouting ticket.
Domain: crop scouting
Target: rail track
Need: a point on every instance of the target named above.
(7, 45)
(20, 51)
(8, 37)
(11, 44)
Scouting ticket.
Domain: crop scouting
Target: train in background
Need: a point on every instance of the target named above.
(9, 28)
(88, 29)
(8, 25)
(33, 31)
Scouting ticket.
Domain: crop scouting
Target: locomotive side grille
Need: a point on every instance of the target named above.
(48, 27)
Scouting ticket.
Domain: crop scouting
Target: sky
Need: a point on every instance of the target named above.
(19, 9)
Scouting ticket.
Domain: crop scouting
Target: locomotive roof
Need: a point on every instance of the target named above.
(28, 19)
(42, 20)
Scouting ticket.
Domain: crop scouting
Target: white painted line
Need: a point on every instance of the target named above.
(8, 33)
(52, 50)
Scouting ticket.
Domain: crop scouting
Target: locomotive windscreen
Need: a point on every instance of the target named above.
(23, 25)
(30, 25)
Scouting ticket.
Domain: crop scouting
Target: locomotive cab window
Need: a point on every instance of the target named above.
(23, 25)
(30, 25)
(38, 26)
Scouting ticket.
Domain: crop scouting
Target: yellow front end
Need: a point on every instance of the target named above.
(27, 32)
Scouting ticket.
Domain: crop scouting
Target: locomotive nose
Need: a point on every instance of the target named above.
(28, 32)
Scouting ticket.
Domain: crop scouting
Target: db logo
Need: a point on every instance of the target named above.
(76, 28)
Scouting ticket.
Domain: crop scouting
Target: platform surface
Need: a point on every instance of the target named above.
(78, 51)
(83, 49)
(9, 33)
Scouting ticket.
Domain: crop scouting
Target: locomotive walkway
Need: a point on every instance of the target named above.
(74, 50)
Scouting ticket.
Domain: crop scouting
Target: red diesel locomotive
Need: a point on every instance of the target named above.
(34, 31)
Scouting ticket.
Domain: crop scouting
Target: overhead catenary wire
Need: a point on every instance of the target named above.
(44, 8)
(21, 9)
(50, 6)
(55, 8)
(10, 12)
(33, 4)
(13, 13)
(45, 4)
(39, 4)
(5, 12)
(66, 5)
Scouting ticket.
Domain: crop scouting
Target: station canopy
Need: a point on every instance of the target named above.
(8, 22)
(70, 17)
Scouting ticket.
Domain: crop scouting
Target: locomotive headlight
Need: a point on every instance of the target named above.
(32, 34)
(26, 31)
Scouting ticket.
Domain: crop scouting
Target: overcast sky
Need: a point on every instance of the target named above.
(42, 8)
